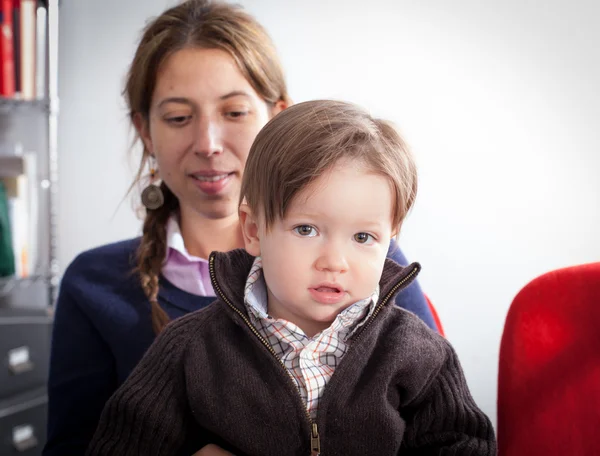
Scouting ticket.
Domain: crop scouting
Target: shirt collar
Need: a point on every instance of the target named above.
(175, 241)
(255, 291)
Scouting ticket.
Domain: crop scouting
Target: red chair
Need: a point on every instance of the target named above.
(549, 373)
(435, 315)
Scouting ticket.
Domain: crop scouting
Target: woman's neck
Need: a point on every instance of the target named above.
(202, 235)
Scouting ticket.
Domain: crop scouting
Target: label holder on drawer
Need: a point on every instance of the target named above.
(24, 438)
(19, 360)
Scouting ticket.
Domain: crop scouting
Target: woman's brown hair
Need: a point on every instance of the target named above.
(201, 24)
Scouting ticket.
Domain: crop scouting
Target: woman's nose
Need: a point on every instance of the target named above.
(208, 140)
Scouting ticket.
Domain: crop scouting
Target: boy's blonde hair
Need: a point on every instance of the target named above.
(308, 139)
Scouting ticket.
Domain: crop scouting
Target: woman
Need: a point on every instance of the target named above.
(204, 80)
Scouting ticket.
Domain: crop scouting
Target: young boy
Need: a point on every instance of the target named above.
(304, 352)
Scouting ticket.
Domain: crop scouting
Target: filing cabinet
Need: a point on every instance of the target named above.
(23, 423)
(25, 332)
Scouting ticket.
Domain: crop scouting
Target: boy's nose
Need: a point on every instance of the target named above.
(332, 259)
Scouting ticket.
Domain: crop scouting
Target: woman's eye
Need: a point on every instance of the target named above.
(305, 230)
(363, 238)
(178, 120)
(237, 114)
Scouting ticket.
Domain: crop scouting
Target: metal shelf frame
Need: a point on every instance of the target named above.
(13, 165)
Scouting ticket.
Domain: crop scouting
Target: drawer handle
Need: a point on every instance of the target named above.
(19, 360)
(24, 438)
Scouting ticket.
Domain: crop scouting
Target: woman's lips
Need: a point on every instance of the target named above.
(211, 183)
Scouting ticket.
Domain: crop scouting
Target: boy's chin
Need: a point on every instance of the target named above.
(326, 318)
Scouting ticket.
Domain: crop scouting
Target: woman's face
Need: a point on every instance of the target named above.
(203, 118)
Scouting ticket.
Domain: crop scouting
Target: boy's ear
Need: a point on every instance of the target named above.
(249, 224)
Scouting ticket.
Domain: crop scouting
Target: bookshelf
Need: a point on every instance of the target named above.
(29, 111)
(28, 141)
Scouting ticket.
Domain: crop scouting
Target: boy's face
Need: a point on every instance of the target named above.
(329, 250)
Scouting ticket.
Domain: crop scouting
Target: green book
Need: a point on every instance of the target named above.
(7, 256)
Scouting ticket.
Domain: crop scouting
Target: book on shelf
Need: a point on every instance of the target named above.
(20, 184)
(7, 58)
(40, 56)
(23, 41)
(7, 253)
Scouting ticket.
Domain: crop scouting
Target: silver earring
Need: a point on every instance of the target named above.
(152, 195)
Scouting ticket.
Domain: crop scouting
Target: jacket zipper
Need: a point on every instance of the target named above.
(315, 439)
(384, 301)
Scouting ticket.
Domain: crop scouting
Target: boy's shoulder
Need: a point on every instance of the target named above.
(402, 323)
(208, 322)
(197, 319)
(412, 342)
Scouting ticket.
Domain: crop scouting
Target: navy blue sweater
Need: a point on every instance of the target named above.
(102, 328)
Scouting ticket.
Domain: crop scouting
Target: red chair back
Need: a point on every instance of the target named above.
(435, 315)
(549, 372)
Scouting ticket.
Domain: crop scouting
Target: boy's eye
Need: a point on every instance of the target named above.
(305, 230)
(363, 238)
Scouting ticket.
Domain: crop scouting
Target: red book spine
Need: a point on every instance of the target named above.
(7, 58)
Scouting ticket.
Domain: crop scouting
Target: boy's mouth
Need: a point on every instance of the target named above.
(327, 293)
(328, 290)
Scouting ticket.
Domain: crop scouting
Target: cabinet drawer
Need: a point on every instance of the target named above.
(24, 354)
(23, 424)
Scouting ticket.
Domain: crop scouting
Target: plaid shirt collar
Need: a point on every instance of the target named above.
(310, 362)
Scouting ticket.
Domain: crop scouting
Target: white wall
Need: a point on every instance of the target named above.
(500, 101)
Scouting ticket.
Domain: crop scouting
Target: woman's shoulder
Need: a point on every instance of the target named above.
(122, 251)
(396, 254)
(114, 257)
(101, 266)
(101, 284)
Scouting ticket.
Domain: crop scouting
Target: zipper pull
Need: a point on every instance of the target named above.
(315, 441)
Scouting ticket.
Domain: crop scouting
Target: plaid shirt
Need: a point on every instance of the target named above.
(309, 361)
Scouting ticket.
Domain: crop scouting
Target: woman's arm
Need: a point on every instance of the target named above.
(412, 297)
(82, 377)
